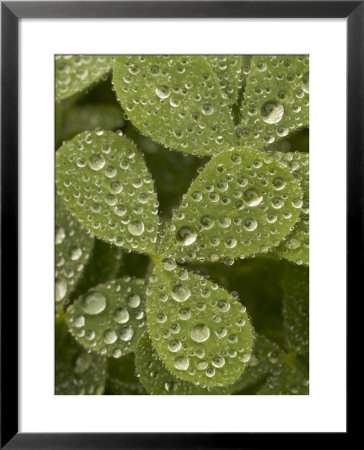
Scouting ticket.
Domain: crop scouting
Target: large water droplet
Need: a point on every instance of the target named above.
(94, 303)
(174, 345)
(180, 293)
(218, 361)
(200, 333)
(121, 315)
(76, 254)
(126, 334)
(163, 91)
(169, 264)
(61, 290)
(252, 197)
(272, 112)
(110, 337)
(250, 224)
(60, 235)
(186, 236)
(136, 228)
(134, 300)
(97, 162)
(181, 363)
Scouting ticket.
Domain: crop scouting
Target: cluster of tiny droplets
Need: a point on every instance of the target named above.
(159, 380)
(200, 331)
(295, 246)
(110, 318)
(104, 181)
(73, 249)
(276, 99)
(175, 100)
(75, 73)
(229, 73)
(244, 202)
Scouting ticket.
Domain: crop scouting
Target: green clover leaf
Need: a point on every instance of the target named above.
(201, 333)
(105, 183)
(175, 100)
(244, 202)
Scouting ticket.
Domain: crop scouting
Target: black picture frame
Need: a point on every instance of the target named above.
(11, 12)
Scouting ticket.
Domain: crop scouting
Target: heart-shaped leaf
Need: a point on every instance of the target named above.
(73, 249)
(228, 71)
(158, 380)
(276, 99)
(295, 246)
(244, 202)
(110, 318)
(175, 100)
(106, 185)
(201, 333)
(74, 73)
(77, 371)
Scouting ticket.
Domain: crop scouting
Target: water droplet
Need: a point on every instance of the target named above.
(181, 363)
(218, 361)
(223, 306)
(60, 235)
(210, 372)
(110, 337)
(293, 243)
(186, 236)
(207, 109)
(252, 197)
(202, 365)
(278, 184)
(273, 357)
(174, 345)
(169, 264)
(180, 293)
(136, 228)
(184, 314)
(116, 187)
(134, 300)
(61, 290)
(207, 222)
(272, 112)
(76, 254)
(126, 334)
(94, 303)
(250, 224)
(163, 91)
(200, 333)
(121, 315)
(97, 162)
(79, 322)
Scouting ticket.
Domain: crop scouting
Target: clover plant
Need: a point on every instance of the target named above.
(182, 224)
